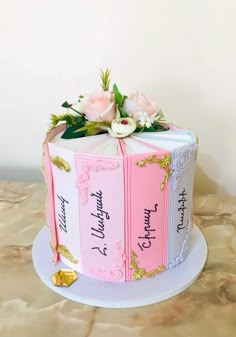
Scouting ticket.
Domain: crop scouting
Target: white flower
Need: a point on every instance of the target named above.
(145, 120)
(122, 127)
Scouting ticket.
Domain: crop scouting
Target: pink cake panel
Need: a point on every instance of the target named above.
(100, 183)
(148, 212)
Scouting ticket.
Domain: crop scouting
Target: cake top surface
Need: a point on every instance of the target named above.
(104, 144)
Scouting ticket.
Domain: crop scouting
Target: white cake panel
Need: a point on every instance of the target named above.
(180, 205)
(66, 205)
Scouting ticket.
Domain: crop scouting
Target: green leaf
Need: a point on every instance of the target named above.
(70, 133)
(92, 127)
(159, 127)
(65, 105)
(81, 120)
(122, 112)
(155, 127)
(151, 129)
(119, 98)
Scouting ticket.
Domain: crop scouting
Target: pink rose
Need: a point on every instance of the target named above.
(137, 103)
(99, 106)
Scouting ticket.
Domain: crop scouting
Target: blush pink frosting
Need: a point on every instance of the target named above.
(116, 273)
(84, 175)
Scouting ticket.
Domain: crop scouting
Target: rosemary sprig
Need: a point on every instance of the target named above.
(105, 79)
(69, 119)
(92, 127)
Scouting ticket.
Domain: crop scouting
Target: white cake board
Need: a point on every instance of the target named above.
(126, 294)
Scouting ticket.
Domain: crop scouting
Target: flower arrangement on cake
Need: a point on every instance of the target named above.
(110, 111)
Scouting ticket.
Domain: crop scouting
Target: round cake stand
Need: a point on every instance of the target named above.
(98, 293)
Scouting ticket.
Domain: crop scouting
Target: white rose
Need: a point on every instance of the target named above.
(122, 127)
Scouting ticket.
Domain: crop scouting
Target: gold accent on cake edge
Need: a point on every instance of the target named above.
(197, 142)
(141, 272)
(63, 250)
(64, 277)
(163, 162)
(54, 250)
(60, 163)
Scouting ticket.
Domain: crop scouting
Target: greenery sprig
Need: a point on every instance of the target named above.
(155, 127)
(93, 127)
(69, 119)
(105, 79)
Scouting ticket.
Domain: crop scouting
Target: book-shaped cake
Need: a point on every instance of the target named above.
(120, 186)
(120, 209)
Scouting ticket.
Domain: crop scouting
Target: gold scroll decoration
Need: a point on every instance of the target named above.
(141, 272)
(60, 163)
(163, 162)
(64, 277)
(63, 250)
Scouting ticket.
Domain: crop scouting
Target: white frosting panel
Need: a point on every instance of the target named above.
(180, 203)
(66, 205)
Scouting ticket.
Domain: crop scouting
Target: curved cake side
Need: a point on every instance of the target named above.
(112, 219)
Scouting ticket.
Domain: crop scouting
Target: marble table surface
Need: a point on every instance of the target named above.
(28, 308)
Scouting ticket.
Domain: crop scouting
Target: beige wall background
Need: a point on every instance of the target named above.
(181, 53)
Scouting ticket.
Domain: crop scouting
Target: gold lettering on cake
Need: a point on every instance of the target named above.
(66, 253)
(163, 162)
(141, 272)
(60, 163)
